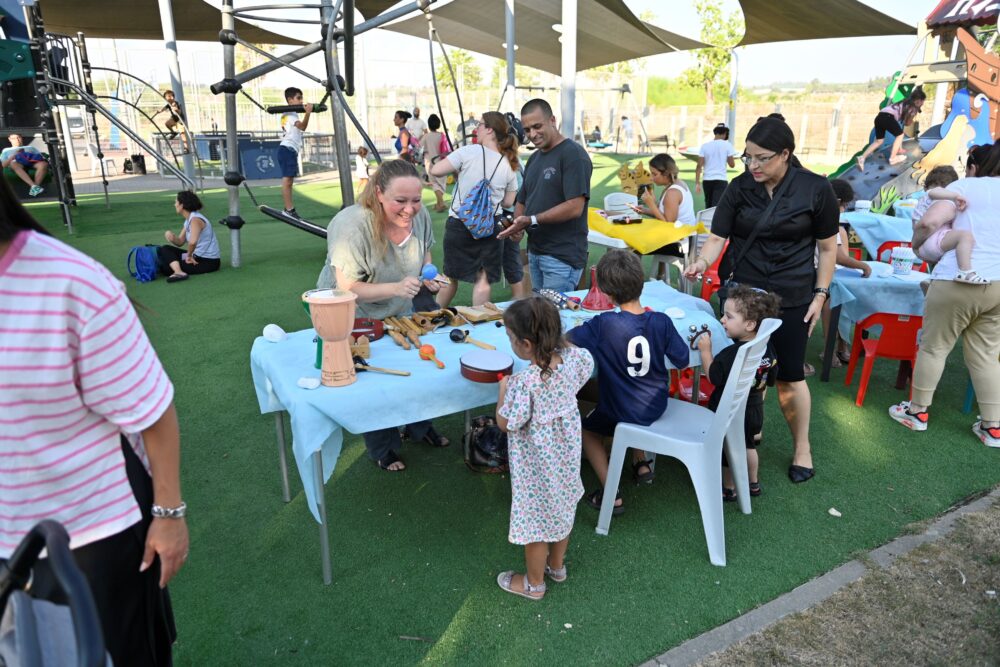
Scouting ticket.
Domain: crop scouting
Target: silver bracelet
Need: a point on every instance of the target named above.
(161, 512)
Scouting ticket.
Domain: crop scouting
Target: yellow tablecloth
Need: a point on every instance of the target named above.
(646, 236)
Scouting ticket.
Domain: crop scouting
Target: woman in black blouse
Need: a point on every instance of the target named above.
(781, 259)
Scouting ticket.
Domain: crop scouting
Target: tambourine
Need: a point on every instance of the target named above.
(486, 366)
(364, 326)
(695, 334)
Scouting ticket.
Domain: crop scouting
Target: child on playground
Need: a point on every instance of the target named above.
(892, 119)
(745, 308)
(933, 234)
(629, 347)
(173, 108)
(291, 145)
(361, 168)
(537, 408)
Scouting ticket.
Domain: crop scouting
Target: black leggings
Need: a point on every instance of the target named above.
(135, 612)
(170, 253)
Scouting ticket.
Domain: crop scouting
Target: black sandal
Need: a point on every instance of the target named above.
(728, 495)
(644, 478)
(799, 474)
(595, 499)
(388, 460)
(432, 437)
(755, 489)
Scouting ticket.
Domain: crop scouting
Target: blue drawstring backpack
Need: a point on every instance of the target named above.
(146, 265)
(477, 211)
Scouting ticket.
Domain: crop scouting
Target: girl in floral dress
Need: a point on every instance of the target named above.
(537, 408)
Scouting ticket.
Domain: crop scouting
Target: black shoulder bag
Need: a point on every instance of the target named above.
(765, 220)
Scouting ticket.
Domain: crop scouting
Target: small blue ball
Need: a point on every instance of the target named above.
(429, 272)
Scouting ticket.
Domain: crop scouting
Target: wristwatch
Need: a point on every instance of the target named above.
(161, 512)
(825, 291)
(534, 221)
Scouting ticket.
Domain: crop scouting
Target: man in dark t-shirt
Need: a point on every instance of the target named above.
(552, 202)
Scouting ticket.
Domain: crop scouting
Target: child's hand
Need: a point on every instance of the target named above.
(308, 107)
(705, 342)
(961, 203)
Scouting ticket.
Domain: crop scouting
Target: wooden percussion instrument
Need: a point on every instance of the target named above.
(372, 329)
(332, 313)
(462, 336)
(487, 366)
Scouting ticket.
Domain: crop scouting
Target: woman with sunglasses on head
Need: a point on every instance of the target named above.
(774, 216)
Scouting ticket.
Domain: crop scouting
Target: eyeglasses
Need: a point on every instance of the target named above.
(751, 159)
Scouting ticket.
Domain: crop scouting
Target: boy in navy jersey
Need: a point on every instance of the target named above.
(633, 380)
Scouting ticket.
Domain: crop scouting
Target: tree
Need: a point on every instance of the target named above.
(466, 70)
(711, 69)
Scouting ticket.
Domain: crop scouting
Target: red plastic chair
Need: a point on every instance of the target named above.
(855, 253)
(884, 253)
(710, 281)
(898, 340)
(682, 381)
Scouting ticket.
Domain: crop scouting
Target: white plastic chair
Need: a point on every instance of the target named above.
(696, 436)
(109, 162)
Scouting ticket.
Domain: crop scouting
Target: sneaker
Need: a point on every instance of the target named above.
(914, 422)
(990, 436)
(35, 190)
(292, 213)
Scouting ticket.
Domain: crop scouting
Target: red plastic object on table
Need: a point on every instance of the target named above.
(596, 299)
(710, 281)
(884, 253)
(898, 340)
(681, 382)
(855, 253)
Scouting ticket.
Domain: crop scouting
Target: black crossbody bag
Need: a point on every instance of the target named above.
(765, 220)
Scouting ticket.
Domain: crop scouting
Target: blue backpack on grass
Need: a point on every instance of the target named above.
(477, 211)
(146, 264)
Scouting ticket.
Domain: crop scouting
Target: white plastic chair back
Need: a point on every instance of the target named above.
(619, 203)
(734, 396)
(704, 217)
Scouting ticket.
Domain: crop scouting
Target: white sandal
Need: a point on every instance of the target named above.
(971, 278)
(504, 580)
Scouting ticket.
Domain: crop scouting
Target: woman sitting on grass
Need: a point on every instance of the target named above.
(202, 254)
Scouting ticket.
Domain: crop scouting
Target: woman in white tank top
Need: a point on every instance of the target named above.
(676, 204)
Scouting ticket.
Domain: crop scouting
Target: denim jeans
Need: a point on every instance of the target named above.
(547, 272)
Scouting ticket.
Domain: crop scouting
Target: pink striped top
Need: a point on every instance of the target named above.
(76, 371)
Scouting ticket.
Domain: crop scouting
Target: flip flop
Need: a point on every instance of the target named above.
(177, 277)
(388, 460)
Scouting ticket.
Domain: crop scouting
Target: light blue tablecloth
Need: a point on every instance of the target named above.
(881, 292)
(320, 416)
(874, 229)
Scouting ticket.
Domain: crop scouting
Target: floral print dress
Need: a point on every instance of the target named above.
(544, 448)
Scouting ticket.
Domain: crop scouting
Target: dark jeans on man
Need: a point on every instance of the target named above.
(713, 191)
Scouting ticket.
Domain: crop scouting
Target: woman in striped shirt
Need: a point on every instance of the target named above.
(88, 434)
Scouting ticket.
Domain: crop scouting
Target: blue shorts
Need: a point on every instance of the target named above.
(288, 161)
(600, 423)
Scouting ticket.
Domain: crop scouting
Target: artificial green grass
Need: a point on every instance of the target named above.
(415, 554)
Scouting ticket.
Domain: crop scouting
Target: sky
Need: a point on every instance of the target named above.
(390, 56)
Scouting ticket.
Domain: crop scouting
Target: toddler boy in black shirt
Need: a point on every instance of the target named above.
(743, 311)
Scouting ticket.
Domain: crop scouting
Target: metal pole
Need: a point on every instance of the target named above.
(88, 84)
(509, 34)
(734, 69)
(233, 176)
(340, 142)
(324, 531)
(568, 71)
(170, 42)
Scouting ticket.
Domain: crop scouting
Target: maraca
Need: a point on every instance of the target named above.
(427, 353)
(429, 272)
(460, 336)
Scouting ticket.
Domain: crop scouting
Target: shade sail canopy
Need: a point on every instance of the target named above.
(963, 13)
(194, 20)
(790, 20)
(607, 32)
